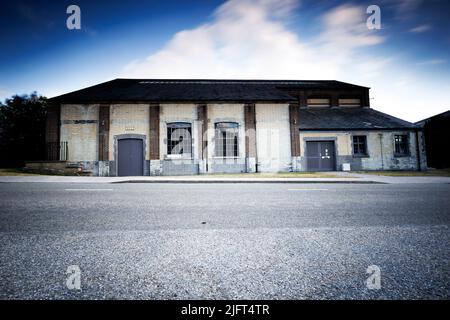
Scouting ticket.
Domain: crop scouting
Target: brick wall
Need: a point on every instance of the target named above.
(79, 127)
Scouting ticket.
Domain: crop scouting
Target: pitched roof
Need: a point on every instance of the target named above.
(154, 90)
(445, 114)
(342, 118)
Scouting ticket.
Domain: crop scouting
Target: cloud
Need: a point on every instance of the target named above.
(4, 93)
(89, 31)
(345, 31)
(249, 39)
(405, 9)
(432, 62)
(421, 28)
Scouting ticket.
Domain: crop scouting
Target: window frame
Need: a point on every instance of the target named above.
(407, 152)
(172, 126)
(318, 105)
(217, 137)
(348, 104)
(366, 148)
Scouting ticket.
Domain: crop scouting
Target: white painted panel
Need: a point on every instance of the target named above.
(273, 137)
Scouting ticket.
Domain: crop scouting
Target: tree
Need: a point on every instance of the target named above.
(22, 129)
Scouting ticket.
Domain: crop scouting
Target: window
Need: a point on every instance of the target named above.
(401, 145)
(179, 139)
(360, 145)
(318, 102)
(350, 102)
(227, 134)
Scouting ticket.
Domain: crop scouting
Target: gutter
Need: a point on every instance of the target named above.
(359, 129)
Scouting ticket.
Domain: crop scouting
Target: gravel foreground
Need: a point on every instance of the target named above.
(263, 263)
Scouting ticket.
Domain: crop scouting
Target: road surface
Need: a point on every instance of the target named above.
(224, 241)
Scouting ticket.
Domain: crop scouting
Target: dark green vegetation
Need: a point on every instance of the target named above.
(22, 130)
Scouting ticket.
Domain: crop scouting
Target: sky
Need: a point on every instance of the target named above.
(406, 62)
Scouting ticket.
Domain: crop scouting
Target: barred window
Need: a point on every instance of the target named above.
(227, 137)
(401, 145)
(179, 138)
(360, 145)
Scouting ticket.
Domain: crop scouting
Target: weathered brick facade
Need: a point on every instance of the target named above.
(267, 136)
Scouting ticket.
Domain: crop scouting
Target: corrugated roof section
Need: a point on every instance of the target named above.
(176, 90)
(349, 118)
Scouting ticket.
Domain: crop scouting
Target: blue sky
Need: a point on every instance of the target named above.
(406, 63)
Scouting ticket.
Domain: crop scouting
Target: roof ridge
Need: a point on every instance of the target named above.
(232, 80)
(128, 89)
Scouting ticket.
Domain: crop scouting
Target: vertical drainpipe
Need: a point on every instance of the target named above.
(202, 116)
(381, 149)
(103, 132)
(250, 134)
(154, 134)
(294, 133)
(418, 150)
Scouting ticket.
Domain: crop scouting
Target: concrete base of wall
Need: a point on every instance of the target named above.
(191, 167)
(56, 167)
(155, 168)
(179, 167)
(103, 168)
(202, 168)
(297, 165)
(227, 165)
(363, 163)
(355, 163)
(251, 165)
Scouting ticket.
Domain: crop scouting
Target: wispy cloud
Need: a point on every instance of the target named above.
(404, 9)
(432, 62)
(248, 39)
(89, 31)
(421, 28)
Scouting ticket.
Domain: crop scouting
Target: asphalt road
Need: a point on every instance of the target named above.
(224, 241)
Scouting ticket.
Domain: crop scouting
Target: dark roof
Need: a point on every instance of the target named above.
(445, 114)
(151, 90)
(342, 118)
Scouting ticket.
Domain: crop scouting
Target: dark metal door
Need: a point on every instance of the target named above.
(130, 158)
(320, 155)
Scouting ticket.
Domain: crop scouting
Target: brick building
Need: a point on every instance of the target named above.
(173, 127)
